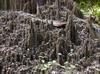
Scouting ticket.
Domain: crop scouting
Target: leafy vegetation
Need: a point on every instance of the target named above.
(68, 67)
(90, 7)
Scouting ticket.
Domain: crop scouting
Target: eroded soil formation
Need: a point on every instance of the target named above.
(29, 42)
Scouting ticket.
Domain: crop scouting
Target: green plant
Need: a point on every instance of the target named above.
(90, 7)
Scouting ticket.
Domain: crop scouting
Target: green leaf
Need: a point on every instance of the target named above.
(72, 66)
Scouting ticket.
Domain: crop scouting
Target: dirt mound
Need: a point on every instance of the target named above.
(28, 43)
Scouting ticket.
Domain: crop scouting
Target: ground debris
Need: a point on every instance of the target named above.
(29, 41)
